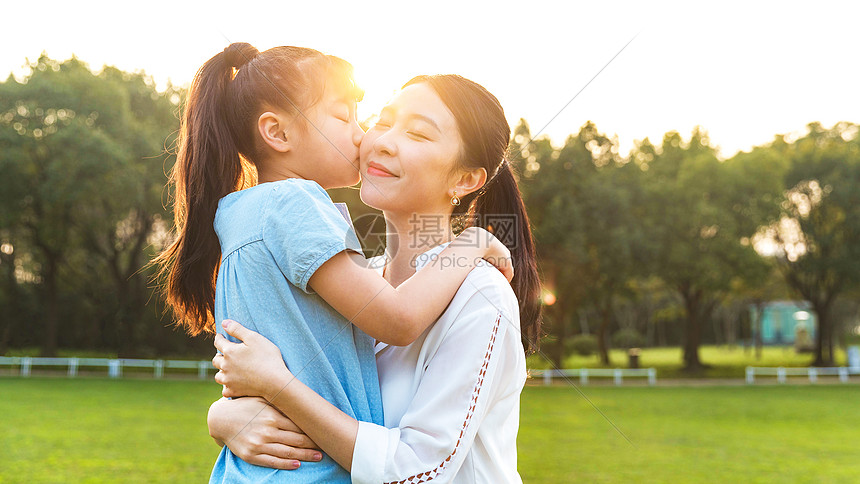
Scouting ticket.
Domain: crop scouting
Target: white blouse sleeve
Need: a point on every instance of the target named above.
(452, 399)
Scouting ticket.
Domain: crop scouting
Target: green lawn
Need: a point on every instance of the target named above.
(128, 431)
(725, 362)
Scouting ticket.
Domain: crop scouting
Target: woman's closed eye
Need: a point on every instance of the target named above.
(418, 135)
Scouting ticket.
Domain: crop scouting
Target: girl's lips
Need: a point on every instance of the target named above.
(377, 170)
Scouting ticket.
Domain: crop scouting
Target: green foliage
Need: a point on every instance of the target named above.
(817, 231)
(84, 157)
(582, 344)
(583, 201)
(700, 210)
(628, 338)
(661, 241)
(675, 211)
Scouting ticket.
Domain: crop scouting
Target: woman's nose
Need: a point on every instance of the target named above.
(384, 144)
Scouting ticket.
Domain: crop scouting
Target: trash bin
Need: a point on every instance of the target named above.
(633, 357)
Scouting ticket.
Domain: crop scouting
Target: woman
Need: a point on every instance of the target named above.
(451, 399)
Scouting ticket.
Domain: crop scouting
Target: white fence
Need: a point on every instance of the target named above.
(584, 374)
(114, 366)
(812, 373)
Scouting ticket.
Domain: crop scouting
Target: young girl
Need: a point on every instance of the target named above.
(451, 398)
(279, 256)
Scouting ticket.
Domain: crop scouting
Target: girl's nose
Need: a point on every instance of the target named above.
(357, 134)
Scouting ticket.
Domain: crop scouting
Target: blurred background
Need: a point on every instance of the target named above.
(707, 177)
(697, 202)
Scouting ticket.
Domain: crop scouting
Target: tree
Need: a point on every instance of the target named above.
(582, 201)
(700, 211)
(557, 240)
(83, 157)
(816, 235)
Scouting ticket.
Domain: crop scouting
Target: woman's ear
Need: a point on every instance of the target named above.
(468, 182)
(273, 130)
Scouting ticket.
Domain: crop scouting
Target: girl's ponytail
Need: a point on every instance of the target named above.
(499, 208)
(208, 167)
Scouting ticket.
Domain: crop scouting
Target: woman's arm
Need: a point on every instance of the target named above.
(259, 434)
(399, 315)
(441, 422)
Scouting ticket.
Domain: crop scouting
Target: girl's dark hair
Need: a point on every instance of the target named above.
(218, 151)
(498, 205)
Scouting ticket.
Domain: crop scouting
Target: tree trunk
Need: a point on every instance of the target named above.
(602, 330)
(583, 322)
(12, 312)
(662, 339)
(693, 333)
(824, 337)
(4, 338)
(557, 314)
(52, 306)
(730, 325)
(759, 314)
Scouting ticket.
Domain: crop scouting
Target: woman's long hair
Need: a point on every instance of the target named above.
(497, 206)
(218, 150)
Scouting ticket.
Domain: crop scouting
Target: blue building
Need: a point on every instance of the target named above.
(783, 323)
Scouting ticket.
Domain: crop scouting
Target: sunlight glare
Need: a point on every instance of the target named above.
(378, 90)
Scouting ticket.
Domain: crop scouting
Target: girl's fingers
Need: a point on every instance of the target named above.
(220, 342)
(287, 453)
(289, 433)
(273, 462)
(294, 439)
(285, 423)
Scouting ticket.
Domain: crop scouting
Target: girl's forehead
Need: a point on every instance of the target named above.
(338, 94)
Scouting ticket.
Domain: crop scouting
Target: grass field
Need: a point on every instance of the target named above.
(136, 431)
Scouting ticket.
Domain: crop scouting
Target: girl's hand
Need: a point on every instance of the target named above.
(259, 434)
(497, 253)
(249, 368)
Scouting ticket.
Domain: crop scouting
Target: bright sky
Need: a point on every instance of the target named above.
(742, 70)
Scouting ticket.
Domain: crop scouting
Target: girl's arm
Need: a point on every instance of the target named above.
(259, 434)
(476, 363)
(399, 315)
(255, 367)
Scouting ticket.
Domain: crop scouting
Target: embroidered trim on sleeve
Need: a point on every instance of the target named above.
(427, 476)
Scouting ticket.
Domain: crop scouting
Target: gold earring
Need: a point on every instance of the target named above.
(454, 200)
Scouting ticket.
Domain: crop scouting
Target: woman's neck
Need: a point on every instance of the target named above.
(407, 237)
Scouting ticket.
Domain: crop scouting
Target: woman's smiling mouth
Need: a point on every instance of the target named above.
(375, 169)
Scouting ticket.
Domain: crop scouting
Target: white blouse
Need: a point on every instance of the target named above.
(451, 399)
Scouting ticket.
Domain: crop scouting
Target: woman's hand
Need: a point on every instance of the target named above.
(497, 253)
(259, 434)
(253, 367)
